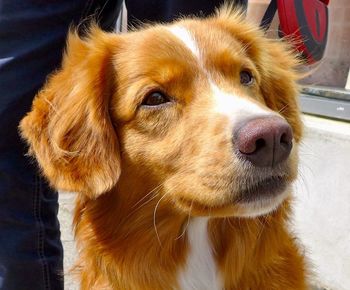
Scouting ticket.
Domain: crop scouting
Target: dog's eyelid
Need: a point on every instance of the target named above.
(247, 77)
(155, 99)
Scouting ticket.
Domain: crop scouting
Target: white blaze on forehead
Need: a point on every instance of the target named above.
(185, 36)
(235, 107)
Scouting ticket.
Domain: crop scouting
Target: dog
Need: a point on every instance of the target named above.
(181, 142)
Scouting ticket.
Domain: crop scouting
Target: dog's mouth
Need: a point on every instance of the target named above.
(252, 199)
(263, 189)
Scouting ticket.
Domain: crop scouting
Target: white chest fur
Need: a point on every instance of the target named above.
(200, 272)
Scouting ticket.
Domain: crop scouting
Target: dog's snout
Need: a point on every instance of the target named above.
(264, 141)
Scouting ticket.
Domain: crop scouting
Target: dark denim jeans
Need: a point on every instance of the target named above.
(32, 37)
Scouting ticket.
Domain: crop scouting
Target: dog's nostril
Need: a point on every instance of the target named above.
(259, 144)
(286, 138)
(283, 139)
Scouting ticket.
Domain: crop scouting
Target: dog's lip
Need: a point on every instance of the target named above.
(262, 189)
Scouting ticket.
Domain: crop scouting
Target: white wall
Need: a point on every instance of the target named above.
(322, 209)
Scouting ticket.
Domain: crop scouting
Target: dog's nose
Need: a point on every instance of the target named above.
(265, 141)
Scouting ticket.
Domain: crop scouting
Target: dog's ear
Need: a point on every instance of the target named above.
(69, 129)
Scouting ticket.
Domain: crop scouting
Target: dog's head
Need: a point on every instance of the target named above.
(204, 111)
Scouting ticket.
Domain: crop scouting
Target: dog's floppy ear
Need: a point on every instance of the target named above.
(69, 129)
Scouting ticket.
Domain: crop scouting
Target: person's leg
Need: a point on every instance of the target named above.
(32, 37)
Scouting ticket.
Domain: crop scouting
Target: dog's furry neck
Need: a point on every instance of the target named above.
(149, 244)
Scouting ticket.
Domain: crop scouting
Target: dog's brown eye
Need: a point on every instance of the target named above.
(246, 78)
(155, 99)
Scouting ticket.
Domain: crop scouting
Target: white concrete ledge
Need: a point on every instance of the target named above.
(322, 209)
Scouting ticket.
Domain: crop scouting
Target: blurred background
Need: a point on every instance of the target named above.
(334, 68)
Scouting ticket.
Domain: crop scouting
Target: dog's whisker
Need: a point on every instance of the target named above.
(148, 194)
(230, 224)
(283, 109)
(154, 219)
(139, 207)
(262, 225)
(152, 191)
(147, 201)
(187, 223)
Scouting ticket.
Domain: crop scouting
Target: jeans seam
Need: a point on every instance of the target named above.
(41, 232)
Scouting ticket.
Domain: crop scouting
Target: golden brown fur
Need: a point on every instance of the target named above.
(140, 174)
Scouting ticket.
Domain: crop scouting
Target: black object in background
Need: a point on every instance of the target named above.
(167, 10)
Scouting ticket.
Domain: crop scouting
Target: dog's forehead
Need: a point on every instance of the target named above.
(186, 37)
(206, 41)
(191, 36)
(187, 47)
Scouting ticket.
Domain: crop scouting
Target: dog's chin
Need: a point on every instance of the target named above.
(261, 206)
(257, 200)
(263, 197)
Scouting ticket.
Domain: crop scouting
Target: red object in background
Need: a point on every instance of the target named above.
(325, 1)
(306, 22)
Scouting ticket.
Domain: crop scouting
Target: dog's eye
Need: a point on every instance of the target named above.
(155, 99)
(246, 78)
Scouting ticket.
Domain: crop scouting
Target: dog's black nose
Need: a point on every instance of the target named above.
(264, 141)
